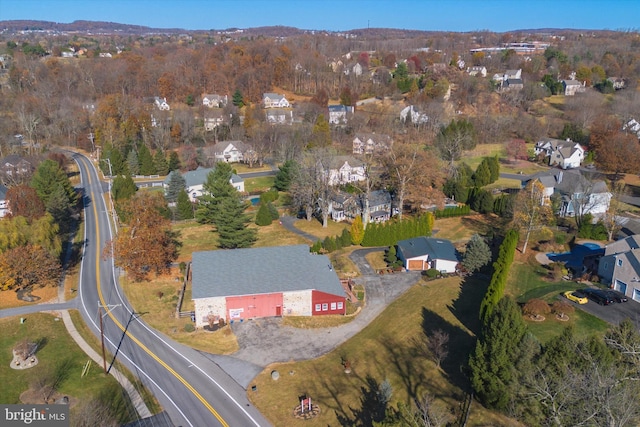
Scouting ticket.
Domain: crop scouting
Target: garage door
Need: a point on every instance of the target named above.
(415, 265)
(621, 286)
(636, 295)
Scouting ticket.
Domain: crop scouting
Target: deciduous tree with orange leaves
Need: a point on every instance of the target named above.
(145, 243)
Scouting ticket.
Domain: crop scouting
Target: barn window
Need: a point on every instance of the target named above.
(333, 306)
(317, 307)
(325, 307)
(340, 305)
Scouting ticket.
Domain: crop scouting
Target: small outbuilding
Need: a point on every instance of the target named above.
(424, 253)
(240, 284)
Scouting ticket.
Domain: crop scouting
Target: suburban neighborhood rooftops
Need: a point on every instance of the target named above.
(199, 177)
(262, 270)
(435, 248)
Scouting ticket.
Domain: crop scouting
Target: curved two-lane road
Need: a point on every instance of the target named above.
(192, 389)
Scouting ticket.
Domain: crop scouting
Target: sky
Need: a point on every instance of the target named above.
(338, 15)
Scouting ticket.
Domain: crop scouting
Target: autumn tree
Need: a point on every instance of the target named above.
(531, 210)
(24, 201)
(357, 230)
(517, 149)
(620, 155)
(145, 243)
(24, 267)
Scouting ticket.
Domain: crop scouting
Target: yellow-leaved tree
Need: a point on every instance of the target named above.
(532, 210)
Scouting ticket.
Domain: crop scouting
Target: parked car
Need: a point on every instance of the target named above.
(598, 295)
(576, 296)
(617, 296)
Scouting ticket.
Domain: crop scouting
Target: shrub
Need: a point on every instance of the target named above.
(431, 273)
(535, 307)
(562, 307)
(316, 247)
(269, 196)
(183, 267)
(189, 327)
(263, 217)
(273, 211)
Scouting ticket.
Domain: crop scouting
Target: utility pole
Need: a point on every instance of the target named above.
(100, 315)
(113, 208)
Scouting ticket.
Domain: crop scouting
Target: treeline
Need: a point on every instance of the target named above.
(390, 232)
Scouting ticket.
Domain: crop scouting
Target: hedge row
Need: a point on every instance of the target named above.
(451, 212)
(501, 268)
(330, 244)
(390, 232)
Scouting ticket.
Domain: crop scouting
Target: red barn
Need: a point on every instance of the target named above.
(243, 284)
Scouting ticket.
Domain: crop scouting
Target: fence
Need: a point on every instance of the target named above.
(181, 296)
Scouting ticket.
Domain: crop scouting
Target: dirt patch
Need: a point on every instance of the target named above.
(35, 397)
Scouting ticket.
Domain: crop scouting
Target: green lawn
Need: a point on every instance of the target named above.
(58, 357)
(262, 183)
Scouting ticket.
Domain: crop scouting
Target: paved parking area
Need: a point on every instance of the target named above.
(614, 313)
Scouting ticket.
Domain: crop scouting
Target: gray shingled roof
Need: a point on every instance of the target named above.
(435, 248)
(262, 270)
(570, 181)
(199, 176)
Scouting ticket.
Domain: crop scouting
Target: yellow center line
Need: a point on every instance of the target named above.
(133, 338)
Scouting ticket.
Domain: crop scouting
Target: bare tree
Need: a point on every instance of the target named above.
(427, 412)
(531, 210)
(611, 219)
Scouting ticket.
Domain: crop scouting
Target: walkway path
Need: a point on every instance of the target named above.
(288, 221)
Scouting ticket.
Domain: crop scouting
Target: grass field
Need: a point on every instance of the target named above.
(314, 227)
(386, 350)
(460, 229)
(262, 183)
(59, 358)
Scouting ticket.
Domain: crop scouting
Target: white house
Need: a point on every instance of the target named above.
(571, 87)
(339, 114)
(241, 284)
(347, 169)
(563, 153)
(227, 151)
(632, 126)
(4, 205)
(214, 100)
(215, 118)
(194, 181)
(275, 100)
(475, 70)
(424, 253)
(369, 143)
(576, 193)
(279, 116)
(161, 103)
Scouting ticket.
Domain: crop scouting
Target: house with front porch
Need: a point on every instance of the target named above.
(619, 267)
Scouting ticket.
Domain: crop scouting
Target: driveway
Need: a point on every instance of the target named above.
(614, 313)
(266, 341)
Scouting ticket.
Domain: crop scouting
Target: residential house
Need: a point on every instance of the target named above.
(508, 75)
(477, 70)
(276, 281)
(513, 84)
(424, 253)
(161, 103)
(617, 82)
(194, 181)
(15, 169)
(347, 169)
(571, 87)
(227, 151)
(415, 116)
(4, 205)
(347, 206)
(214, 100)
(339, 114)
(369, 143)
(619, 267)
(275, 100)
(279, 116)
(575, 192)
(215, 118)
(632, 126)
(563, 153)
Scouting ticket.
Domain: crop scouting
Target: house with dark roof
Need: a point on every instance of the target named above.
(369, 143)
(577, 194)
(275, 100)
(339, 114)
(563, 153)
(227, 151)
(4, 205)
(619, 267)
(424, 253)
(194, 181)
(240, 284)
(345, 206)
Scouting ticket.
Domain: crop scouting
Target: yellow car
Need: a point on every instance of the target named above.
(576, 296)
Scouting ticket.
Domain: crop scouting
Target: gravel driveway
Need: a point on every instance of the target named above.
(265, 341)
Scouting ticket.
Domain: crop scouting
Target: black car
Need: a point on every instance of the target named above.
(598, 295)
(616, 296)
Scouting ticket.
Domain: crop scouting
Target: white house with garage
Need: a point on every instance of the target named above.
(424, 253)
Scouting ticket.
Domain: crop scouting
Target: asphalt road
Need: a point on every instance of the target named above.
(191, 388)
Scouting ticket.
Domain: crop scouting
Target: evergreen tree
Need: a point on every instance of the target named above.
(329, 244)
(46, 179)
(116, 160)
(133, 163)
(492, 363)
(494, 168)
(123, 187)
(285, 175)
(482, 202)
(263, 217)
(184, 207)
(345, 237)
(477, 254)
(146, 161)
(176, 185)
(237, 99)
(357, 231)
(174, 161)
(60, 208)
(160, 163)
(482, 175)
(273, 211)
